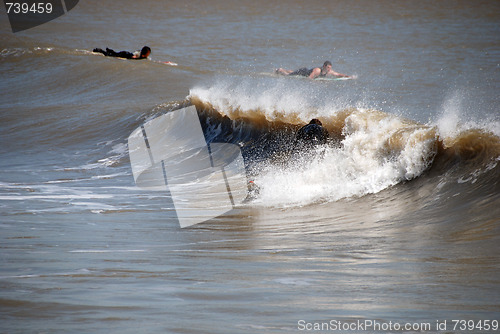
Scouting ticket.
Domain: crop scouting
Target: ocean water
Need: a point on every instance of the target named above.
(395, 221)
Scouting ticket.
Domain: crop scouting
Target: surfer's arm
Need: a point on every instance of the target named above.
(136, 55)
(315, 73)
(337, 74)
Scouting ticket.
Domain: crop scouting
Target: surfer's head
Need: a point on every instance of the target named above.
(312, 134)
(145, 52)
(315, 121)
(327, 67)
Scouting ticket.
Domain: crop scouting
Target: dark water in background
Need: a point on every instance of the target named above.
(399, 222)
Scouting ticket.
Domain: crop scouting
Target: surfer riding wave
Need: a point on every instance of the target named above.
(312, 134)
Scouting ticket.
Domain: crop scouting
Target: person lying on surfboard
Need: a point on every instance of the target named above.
(317, 72)
(143, 54)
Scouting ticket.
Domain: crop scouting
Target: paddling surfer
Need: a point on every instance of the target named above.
(143, 54)
(316, 72)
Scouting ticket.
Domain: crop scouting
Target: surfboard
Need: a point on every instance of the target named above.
(274, 75)
(333, 79)
(170, 63)
(321, 78)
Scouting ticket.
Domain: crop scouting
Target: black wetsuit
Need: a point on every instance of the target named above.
(302, 72)
(305, 72)
(121, 54)
(312, 134)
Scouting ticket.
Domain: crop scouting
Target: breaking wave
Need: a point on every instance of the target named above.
(369, 150)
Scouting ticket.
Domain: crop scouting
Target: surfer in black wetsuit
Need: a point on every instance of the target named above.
(312, 134)
(317, 72)
(143, 54)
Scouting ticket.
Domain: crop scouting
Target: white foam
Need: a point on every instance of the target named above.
(379, 149)
(454, 118)
(46, 197)
(368, 161)
(94, 205)
(49, 192)
(280, 99)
